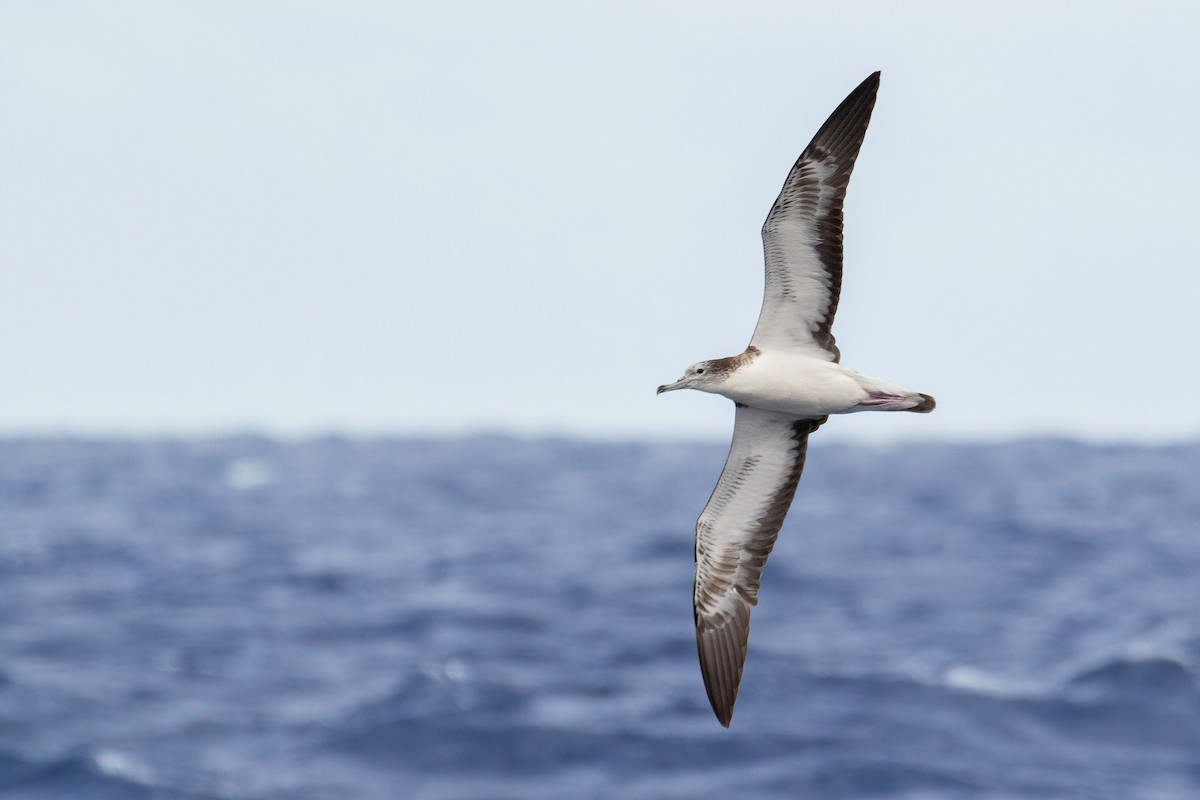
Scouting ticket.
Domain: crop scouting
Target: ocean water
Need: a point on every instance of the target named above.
(493, 617)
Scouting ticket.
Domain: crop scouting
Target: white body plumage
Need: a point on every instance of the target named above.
(799, 384)
(794, 382)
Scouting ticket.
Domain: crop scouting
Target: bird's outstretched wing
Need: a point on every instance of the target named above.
(802, 237)
(734, 537)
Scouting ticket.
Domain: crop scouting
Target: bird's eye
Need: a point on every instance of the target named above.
(700, 370)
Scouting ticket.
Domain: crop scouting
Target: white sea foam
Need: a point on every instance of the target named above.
(248, 473)
(977, 681)
(122, 765)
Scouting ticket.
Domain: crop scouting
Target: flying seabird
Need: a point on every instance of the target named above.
(784, 386)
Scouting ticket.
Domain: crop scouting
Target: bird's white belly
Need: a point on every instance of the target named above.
(795, 384)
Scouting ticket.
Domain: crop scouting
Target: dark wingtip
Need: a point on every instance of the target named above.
(722, 656)
(844, 130)
(869, 85)
(927, 404)
(723, 706)
(721, 679)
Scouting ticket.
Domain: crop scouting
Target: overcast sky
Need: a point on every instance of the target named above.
(445, 217)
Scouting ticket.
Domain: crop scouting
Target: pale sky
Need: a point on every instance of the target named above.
(429, 218)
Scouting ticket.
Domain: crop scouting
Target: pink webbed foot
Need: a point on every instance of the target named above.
(882, 400)
(885, 401)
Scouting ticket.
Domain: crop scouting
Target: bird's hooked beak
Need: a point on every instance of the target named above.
(670, 387)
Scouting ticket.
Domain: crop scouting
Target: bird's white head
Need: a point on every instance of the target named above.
(704, 375)
(710, 376)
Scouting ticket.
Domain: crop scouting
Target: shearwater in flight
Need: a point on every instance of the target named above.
(785, 385)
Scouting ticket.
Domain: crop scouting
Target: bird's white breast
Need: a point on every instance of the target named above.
(794, 383)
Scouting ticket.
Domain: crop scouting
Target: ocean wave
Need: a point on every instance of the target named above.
(490, 617)
(103, 775)
(1158, 681)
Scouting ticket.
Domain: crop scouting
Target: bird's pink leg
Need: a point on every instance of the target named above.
(875, 399)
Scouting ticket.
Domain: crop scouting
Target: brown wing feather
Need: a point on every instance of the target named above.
(734, 538)
(802, 236)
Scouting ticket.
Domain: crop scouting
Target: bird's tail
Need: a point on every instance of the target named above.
(926, 405)
(890, 397)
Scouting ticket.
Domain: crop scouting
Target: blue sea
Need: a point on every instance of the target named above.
(494, 617)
